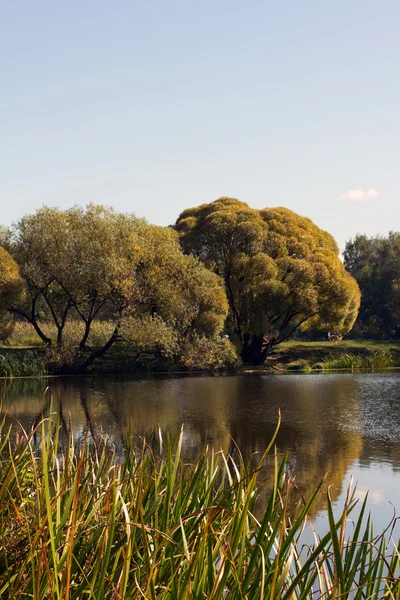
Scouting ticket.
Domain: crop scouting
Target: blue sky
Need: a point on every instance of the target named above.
(153, 107)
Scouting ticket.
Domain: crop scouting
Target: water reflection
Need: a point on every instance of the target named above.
(329, 422)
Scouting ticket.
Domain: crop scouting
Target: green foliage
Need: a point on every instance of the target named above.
(83, 266)
(5, 235)
(172, 287)
(11, 290)
(301, 366)
(152, 335)
(200, 353)
(22, 362)
(152, 346)
(377, 360)
(375, 264)
(281, 272)
(192, 352)
(71, 261)
(80, 522)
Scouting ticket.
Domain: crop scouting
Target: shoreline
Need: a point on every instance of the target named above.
(290, 357)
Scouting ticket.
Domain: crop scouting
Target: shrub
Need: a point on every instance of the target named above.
(200, 353)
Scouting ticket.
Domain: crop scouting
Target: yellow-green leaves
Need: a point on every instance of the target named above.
(11, 284)
(280, 270)
(172, 297)
(86, 264)
(11, 290)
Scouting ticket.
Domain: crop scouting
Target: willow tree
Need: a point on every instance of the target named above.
(94, 264)
(11, 290)
(69, 261)
(281, 272)
(172, 298)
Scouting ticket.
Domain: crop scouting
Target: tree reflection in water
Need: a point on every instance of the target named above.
(321, 431)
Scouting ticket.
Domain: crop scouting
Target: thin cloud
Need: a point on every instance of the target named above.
(360, 195)
(376, 496)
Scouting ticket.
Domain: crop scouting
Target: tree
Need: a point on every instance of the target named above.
(174, 300)
(69, 261)
(11, 290)
(92, 264)
(281, 272)
(375, 263)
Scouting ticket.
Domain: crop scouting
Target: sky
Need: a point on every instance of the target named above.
(153, 107)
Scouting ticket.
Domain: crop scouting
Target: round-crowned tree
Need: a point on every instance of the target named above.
(281, 272)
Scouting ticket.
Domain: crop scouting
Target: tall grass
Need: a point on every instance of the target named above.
(347, 360)
(24, 335)
(22, 362)
(77, 521)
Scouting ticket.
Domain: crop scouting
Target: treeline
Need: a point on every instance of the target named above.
(375, 263)
(226, 281)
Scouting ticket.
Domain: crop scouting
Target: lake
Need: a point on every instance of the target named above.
(341, 425)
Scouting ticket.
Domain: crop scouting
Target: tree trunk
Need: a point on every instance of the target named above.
(40, 333)
(82, 344)
(97, 353)
(32, 320)
(254, 349)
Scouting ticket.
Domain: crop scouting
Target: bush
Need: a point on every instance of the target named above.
(201, 353)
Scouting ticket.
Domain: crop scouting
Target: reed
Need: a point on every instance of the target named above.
(347, 360)
(81, 520)
(22, 362)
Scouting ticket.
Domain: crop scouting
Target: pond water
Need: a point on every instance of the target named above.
(341, 425)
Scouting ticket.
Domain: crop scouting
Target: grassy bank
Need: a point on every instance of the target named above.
(344, 354)
(24, 354)
(82, 521)
(22, 362)
(31, 362)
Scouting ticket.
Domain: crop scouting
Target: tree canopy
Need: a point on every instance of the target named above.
(375, 263)
(281, 272)
(11, 290)
(93, 263)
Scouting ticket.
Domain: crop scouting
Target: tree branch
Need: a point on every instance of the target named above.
(72, 299)
(97, 353)
(31, 318)
(235, 312)
(280, 340)
(53, 313)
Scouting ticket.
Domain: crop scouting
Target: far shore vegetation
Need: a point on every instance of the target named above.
(24, 354)
(228, 287)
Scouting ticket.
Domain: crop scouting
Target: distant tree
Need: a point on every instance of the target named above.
(281, 272)
(11, 290)
(375, 263)
(91, 264)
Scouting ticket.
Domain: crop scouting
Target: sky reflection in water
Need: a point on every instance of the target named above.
(341, 424)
